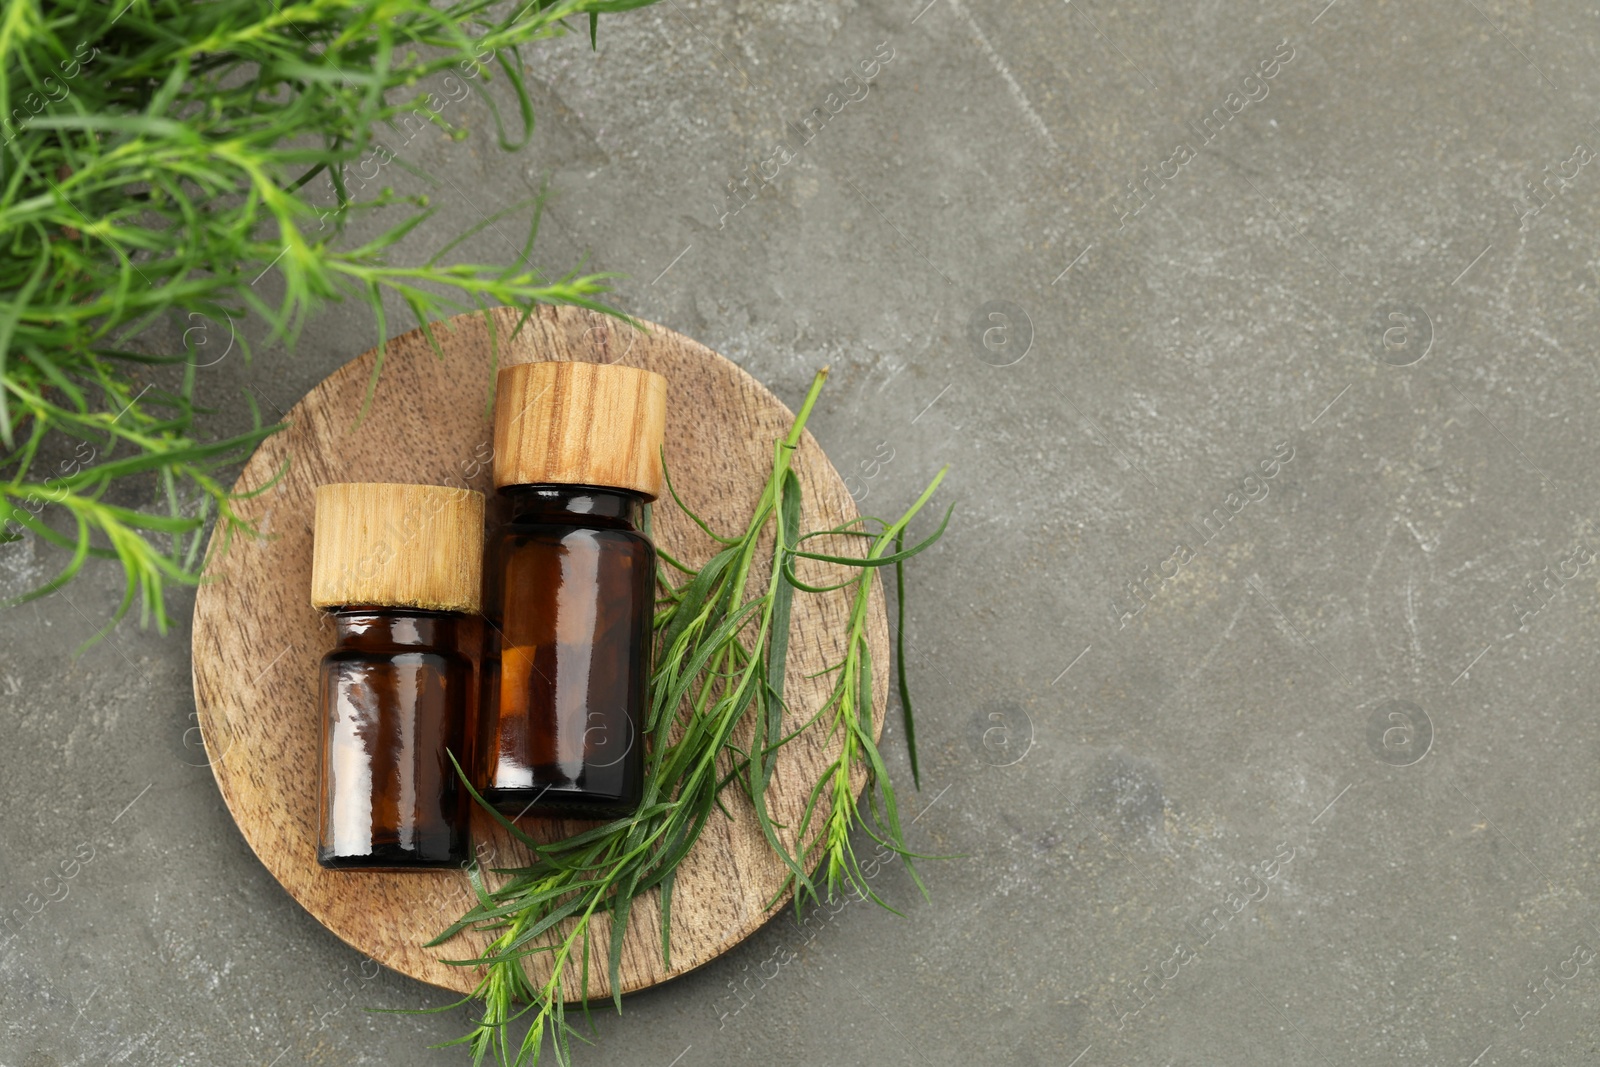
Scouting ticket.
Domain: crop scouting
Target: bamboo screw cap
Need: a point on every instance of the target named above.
(561, 423)
(381, 544)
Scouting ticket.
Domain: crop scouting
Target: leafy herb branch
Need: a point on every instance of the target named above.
(160, 157)
(720, 658)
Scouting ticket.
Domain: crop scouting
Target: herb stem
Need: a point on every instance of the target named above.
(719, 656)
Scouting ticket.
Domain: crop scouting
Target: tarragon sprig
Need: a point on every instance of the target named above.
(198, 166)
(720, 656)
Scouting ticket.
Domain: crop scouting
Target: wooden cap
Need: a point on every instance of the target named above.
(564, 423)
(397, 546)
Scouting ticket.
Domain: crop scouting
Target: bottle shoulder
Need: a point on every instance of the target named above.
(517, 532)
(443, 660)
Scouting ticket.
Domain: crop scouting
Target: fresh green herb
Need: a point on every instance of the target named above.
(159, 159)
(720, 655)
(849, 710)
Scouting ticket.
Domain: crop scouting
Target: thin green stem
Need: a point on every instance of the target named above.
(718, 660)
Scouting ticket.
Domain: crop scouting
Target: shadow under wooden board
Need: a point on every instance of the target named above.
(258, 641)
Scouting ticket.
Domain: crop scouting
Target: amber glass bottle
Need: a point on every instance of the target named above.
(398, 567)
(569, 590)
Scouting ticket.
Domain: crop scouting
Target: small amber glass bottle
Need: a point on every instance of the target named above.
(399, 568)
(569, 592)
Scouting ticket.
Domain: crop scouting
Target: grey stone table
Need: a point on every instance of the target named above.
(1256, 668)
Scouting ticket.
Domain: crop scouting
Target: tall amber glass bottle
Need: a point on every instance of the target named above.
(569, 592)
(399, 569)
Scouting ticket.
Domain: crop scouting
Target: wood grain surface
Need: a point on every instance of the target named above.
(257, 640)
(580, 424)
(436, 562)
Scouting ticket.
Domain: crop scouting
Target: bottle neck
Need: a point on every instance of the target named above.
(575, 505)
(362, 627)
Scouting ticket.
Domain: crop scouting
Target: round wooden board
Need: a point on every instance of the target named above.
(257, 640)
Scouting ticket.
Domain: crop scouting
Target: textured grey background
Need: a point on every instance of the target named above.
(1181, 838)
